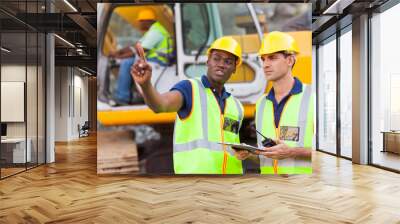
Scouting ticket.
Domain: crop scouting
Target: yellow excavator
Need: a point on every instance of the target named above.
(194, 27)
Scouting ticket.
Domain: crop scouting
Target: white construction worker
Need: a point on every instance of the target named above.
(286, 113)
(207, 113)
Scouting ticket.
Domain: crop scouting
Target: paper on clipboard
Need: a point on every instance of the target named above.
(242, 146)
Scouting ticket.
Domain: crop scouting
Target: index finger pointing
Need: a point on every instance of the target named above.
(140, 51)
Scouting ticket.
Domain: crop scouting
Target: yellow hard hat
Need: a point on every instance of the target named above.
(227, 44)
(146, 14)
(278, 41)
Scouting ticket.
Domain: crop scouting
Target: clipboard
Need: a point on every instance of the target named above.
(242, 146)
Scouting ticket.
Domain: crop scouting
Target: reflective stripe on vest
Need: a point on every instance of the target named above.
(196, 148)
(163, 49)
(300, 105)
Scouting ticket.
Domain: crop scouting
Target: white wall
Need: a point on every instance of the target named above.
(13, 73)
(61, 103)
(81, 100)
(71, 102)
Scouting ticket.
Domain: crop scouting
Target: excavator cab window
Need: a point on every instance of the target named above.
(195, 28)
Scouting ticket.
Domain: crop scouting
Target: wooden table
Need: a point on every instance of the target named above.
(391, 141)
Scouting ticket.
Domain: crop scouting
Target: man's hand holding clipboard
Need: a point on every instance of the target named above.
(242, 146)
(243, 151)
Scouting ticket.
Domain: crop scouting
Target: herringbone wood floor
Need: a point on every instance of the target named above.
(69, 191)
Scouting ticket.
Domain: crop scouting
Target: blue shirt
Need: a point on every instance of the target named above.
(185, 88)
(278, 108)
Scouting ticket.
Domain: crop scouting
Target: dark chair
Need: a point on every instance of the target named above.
(84, 130)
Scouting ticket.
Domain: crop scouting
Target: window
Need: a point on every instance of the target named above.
(195, 28)
(236, 21)
(385, 89)
(217, 20)
(394, 101)
(346, 94)
(327, 96)
(120, 32)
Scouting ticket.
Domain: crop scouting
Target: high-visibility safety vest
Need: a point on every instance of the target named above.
(196, 138)
(164, 49)
(298, 115)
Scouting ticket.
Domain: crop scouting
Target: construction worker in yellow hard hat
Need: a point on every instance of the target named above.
(158, 47)
(285, 113)
(207, 113)
(146, 14)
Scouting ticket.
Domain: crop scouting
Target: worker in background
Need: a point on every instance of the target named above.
(286, 113)
(207, 113)
(158, 47)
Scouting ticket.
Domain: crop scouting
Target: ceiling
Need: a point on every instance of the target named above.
(76, 23)
(331, 15)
